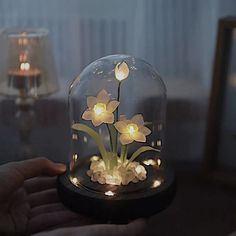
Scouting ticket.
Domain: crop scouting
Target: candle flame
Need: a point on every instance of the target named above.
(25, 66)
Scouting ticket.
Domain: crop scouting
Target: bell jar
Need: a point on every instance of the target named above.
(117, 109)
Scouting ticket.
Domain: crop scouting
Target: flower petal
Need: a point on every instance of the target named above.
(125, 139)
(112, 106)
(103, 97)
(122, 118)
(87, 115)
(138, 119)
(121, 126)
(146, 131)
(121, 71)
(139, 137)
(108, 118)
(96, 121)
(91, 101)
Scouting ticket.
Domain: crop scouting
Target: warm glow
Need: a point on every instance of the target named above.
(23, 41)
(99, 108)
(132, 128)
(158, 142)
(156, 183)
(109, 193)
(25, 66)
(23, 57)
(85, 139)
(74, 136)
(75, 157)
(121, 71)
(74, 180)
(149, 162)
(94, 158)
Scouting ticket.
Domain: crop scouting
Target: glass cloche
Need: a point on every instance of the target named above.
(117, 111)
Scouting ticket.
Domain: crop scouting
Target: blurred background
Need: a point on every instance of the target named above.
(178, 38)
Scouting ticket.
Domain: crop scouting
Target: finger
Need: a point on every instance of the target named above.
(47, 208)
(133, 228)
(39, 184)
(42, 198)
(13, 174)
(136, 227)
(81, 221)
(48, 220)
(38, 167)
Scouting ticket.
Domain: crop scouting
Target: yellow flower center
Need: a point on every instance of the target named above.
(132, 128)
(99, 108)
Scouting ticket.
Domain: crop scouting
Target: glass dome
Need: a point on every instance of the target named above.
(117, 112)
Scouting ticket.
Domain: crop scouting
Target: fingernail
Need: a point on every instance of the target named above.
(61, 167)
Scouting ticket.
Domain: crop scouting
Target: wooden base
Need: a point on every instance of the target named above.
(120, 207)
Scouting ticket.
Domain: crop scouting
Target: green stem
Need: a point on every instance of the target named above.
(112, 133)
(117, 116)
(123, 154)
(118, 99)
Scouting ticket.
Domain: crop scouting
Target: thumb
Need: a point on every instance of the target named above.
(134, 228)
(37, 167)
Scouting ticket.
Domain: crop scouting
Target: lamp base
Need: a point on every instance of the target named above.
(118, 207)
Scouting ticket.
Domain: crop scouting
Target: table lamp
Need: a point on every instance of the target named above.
(27, 72)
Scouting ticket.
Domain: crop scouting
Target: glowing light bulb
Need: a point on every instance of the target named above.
(99, 108)
(25, 66)
(156, 183)
(149, 162)
(121, 71)
(132, 128)
(109, 193)
(74, 180)
(94, 158)
(75, 157)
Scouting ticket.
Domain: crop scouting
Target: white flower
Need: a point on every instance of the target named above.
(100, 109)
(132, 130)
(121, 71)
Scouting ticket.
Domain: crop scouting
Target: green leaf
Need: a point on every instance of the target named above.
(95, 136)
(140, 151)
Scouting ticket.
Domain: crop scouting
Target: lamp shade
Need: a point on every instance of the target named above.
(26, 66)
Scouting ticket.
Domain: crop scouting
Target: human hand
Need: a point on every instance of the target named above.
(28, 204)
(136, 227)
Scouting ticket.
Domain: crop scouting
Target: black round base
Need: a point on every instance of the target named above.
(121, 206)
